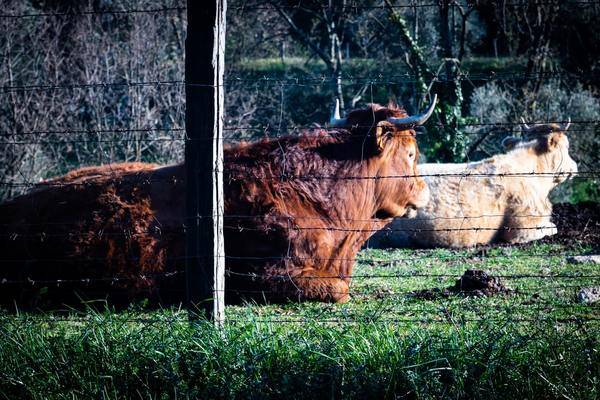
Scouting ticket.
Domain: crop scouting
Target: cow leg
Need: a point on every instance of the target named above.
(312, 284)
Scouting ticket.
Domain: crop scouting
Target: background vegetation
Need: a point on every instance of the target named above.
(491, 62)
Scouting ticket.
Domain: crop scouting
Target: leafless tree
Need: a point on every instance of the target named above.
(328, 21)
(114, 95)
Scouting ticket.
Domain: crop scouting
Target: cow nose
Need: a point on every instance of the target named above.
(570, 172)
(411, 212)
(574, 170)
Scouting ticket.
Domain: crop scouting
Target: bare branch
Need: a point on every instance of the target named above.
(303, 37)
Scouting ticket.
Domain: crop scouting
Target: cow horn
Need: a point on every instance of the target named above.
(335, 119)
(567, 125)
(525, 126)
(414, 120)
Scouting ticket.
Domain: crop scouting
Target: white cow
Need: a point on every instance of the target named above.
(500, 199)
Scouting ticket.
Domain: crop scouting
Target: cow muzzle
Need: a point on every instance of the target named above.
(567, 174)
(411, 212)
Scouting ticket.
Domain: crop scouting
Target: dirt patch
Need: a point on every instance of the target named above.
(576, 222)
(473, 283)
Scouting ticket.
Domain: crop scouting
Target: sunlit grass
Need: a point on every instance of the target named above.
(536, 342)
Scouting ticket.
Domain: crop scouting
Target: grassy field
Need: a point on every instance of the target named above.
(536, 341)
(271, 66)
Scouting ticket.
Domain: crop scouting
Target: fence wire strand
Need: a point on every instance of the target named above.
(383, 314)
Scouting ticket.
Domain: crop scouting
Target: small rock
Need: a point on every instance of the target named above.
(594, 259)
(589, 295)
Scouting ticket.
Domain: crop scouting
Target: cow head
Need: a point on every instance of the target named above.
(390, 143)
(550, 144)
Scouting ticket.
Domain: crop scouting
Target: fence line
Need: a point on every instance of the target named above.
(183, 139)
(236, 175)
(43, 235)
(254, 7)
(335, 131)
(295, 81)
(554, 279)
(288, 278)
(91, 131)
(299, 321)
(283, 277)
(371, 262)
(524, 290)
(113, 279)
(309, 218)
(99, 12)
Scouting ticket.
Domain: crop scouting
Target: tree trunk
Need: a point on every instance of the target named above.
(421, 69)
(335, 57)
(454, 148)
(339, 90)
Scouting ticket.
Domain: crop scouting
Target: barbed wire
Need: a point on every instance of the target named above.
(282, 278)
(32, 281)
(391, 262)
(41, 142)
(391, 294)
(434, 308)
(351, 6)
(255, 7)
(396, 79)
(284, 175)
(418, 320)
(126, 233)
(322, 80)
(396, 260)
(541, 305)
(44, 235)
(402, 77)
(413, 230)
(238, 175)
(364, 319)
(44, 87)
(86, 281)
(286, 133)
(95, 12)
(84, 131)
(412, 275)
(289, 218)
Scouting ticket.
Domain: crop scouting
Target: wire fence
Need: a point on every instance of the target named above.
(139, 251)
(253, 7)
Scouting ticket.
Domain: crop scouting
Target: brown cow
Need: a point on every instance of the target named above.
(297, 211)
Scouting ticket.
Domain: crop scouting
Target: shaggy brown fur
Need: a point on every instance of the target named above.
(99, 172)
(295, 219)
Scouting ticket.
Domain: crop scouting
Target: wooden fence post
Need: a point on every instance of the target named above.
(204, 68)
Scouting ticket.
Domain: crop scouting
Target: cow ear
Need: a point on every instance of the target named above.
(553, 140)
(510, 142)
(549, 142)
(383, 133)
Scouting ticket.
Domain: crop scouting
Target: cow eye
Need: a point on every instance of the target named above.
(411, 154)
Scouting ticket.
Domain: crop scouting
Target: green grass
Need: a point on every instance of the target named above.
(374, 66)
(382, 344)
